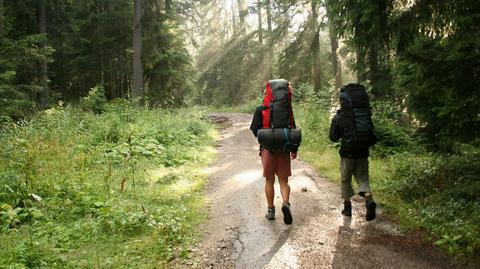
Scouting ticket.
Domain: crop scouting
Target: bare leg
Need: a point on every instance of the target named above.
(284, 189)
(269, 190)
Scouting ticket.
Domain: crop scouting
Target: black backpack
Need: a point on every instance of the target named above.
(277, 105)
(356, 118)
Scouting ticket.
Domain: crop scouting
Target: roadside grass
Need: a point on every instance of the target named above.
(248, 107)
(120, 189)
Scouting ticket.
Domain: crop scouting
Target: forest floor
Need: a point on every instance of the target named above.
(237, 235)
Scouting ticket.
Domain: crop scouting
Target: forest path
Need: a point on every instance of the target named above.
(237, 235)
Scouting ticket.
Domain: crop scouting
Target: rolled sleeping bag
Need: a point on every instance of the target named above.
(280, 140)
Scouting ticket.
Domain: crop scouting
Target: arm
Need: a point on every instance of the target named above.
(292, 122)
(257, 120)
(292, 119)
(293, 154)
(335, 129)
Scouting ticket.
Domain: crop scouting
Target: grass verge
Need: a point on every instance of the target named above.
(120, 189)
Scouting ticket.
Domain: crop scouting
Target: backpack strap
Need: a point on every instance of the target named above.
(291, 119)
(271, 114)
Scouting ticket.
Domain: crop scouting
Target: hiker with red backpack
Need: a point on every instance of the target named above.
(274, 126)
(353, 125)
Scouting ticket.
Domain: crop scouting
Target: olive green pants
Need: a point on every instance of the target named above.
(359, 169)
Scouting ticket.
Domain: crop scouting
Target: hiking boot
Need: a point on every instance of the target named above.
(371, 206)
(347, 209)
(287, 215)
(270, 213)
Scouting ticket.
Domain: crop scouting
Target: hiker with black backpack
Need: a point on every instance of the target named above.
(274, 126)
(353, 125)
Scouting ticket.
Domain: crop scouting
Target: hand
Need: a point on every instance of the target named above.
(293, 155)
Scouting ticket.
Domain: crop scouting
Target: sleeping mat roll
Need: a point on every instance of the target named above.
(280, 140)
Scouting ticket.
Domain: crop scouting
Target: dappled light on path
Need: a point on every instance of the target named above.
(247, 177)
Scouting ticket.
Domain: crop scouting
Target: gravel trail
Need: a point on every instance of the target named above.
(237, 235)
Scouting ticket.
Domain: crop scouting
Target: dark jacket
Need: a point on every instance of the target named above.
(336, 133)
(257, 121)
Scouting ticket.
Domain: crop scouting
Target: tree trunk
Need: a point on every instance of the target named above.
(336, 64)
(339, 77)
(269, 16)
(283, 12)
(43, 63)
(233, 17)
(270, 39)
(317, 75)
(239, 83)
(168, 6)
(360, 66)
(260, 34)
(374, 71)
(241, 15)
(1, 19)
(137, 90)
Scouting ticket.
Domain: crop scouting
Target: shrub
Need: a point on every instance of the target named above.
(15, 103)
(392, 136)
(443, 193)
(303, 92)
(95, 101)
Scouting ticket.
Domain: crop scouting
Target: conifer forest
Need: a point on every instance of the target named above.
(118, 119)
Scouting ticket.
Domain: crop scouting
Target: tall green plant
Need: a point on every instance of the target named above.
(438, 68)
(168, 65)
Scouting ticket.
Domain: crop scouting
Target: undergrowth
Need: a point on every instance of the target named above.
(119, 188)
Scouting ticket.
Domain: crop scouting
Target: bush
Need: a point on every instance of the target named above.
(392, 136)
(444, 195)
(95, 101)
(15, 103)
(305, 94)
(250, 106)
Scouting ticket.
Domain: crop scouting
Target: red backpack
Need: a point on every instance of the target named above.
(277, 104)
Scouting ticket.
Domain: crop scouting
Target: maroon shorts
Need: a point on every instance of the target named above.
(275, 163)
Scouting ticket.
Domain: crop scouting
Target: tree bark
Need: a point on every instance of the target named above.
(241, 14)
(1, 19)
(374, 71)
(233, 17)
(243, 45)
(270, 39)
(283, 13)
(336, 65)
(137, 90)
(317, 75)
(42, 27)
(260, 29)
(360, 66)
(269, 16)
(168, 6)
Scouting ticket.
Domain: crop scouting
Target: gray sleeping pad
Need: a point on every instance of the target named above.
(280, 140)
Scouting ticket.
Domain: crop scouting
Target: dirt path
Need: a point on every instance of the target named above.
(238, 235)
